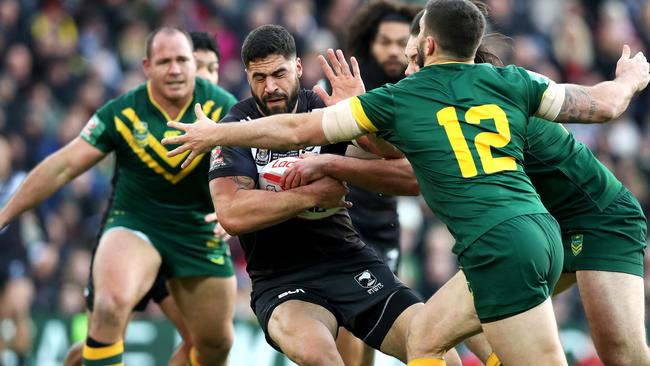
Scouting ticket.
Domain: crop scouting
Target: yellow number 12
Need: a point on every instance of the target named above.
(448, 119)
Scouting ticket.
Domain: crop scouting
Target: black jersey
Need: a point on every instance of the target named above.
(295, 243)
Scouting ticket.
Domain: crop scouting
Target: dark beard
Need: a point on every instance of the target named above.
(289, 105)
(420, 59)
(374, 76)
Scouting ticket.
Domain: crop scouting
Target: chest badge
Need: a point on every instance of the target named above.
(141, 133)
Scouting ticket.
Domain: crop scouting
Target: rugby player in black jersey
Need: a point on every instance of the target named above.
(309, 276)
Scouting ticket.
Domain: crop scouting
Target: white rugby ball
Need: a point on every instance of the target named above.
(270, 177)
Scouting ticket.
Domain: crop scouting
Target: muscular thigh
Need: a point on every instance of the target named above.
(125, 265)
(294, 322)
(206, 303)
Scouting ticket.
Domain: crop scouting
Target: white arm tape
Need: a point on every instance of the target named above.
(552, 102)
(339, 124)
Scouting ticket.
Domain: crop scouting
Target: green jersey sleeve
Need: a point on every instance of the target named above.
(98, 130)
(536, 87)
(375, 110)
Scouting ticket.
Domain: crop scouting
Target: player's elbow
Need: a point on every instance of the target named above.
(233, 225)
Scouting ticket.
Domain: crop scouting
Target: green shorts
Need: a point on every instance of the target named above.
(613, 240)
(185, 253)
(514, 266)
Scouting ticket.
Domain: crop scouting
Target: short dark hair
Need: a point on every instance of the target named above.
(168, 30)
(415, 24)
(202, 41)
(365, 23)
(266, 40)
(456, 25)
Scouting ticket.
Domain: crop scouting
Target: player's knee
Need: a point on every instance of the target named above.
(214, 345)
(421, 340)
(623, 353)
(111, 308)
(314, 354)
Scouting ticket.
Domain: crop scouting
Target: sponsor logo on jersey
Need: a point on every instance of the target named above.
(265, 156)
(216, 160)
(291, 292)
(576, 244)
(141, 133)
(368, 281)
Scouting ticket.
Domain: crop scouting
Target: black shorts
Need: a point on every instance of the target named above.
(157, 293)
(359, 290)
(383, 238)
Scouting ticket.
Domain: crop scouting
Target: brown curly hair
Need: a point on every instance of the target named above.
(365, 23)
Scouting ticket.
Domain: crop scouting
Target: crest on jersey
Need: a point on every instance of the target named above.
(262, 157)
(141, 133)
(576, 244)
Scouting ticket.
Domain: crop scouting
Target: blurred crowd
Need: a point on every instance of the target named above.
(62, 59)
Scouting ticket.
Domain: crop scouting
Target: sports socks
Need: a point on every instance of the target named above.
(102, 354)
(194, 359)
(427, 362)
(493, 360)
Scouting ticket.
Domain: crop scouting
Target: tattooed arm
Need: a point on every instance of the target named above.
(609, 99)
(241, 208)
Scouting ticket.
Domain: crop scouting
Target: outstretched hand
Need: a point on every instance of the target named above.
(345, 83)
(219, 231)
(635, 70)
(197, 138)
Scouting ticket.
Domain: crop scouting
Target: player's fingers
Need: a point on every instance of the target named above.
(285, 179)
(177, 151)
(211, 217)
(322, 94)
(177, 125)
(297, 180)
(171, 140)
(220, 232)
(345, 68)
(333, 61)
(356, 72)
(346, 204)
(188, 160)
(198, 111)
(327, 70)
(626, 52)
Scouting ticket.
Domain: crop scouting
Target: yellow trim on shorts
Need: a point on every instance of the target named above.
(114, 349)
(360, 116)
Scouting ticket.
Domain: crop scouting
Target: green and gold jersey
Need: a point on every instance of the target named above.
(147, 183)
(463, 129)
(567, 176)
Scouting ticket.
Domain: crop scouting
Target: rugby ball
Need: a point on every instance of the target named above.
(270, 177)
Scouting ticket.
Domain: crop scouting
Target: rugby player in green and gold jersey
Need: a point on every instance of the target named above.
(156, 214)
(603, 233)
(463, 128)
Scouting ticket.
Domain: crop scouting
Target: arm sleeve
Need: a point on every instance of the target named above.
(99, 130)
(375, 109)
(350, 118)
(544, 95)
